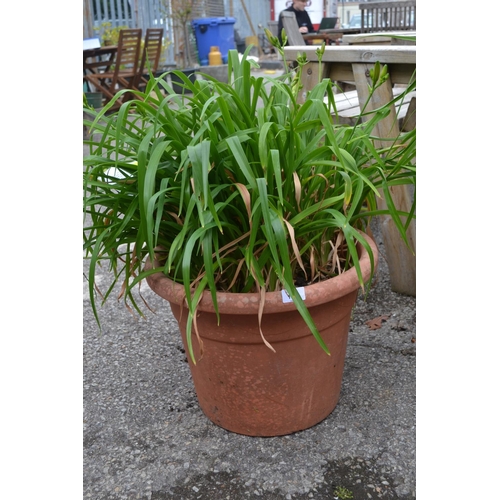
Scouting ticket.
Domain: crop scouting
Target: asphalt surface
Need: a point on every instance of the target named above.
(145, 437)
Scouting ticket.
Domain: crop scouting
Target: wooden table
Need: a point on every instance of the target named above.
(99, 58)
(381, 38)
(352, 36)
(352, 63)
(331, 35)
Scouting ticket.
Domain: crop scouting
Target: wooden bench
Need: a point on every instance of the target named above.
(291, 28)
(352, 63)
(295, 37)
(348, 108)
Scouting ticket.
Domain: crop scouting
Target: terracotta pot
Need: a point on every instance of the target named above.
(245, 387)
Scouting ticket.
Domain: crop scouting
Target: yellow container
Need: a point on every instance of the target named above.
(252, 40)
(214, 57)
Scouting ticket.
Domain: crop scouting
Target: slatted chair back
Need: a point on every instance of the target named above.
(150, 54)
(126, 63)
(127, 56)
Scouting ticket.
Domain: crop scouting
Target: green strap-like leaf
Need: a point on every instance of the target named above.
(242, 161)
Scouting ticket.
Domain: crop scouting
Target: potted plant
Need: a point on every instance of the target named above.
(249, 213)
(109, 34)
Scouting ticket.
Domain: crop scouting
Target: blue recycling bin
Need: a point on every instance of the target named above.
(214, 32)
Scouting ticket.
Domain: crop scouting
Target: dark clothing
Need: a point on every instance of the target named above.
(303, 19)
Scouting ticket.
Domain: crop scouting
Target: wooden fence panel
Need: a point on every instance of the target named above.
(400, 15)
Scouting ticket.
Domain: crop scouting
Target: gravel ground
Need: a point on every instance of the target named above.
(146, 438)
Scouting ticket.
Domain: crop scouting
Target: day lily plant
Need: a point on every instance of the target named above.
(236, 187)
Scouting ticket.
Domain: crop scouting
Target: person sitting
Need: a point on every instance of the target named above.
(298, 7)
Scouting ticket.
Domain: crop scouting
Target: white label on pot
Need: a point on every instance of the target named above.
(286, 298)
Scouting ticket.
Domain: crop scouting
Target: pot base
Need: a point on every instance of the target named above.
(245, 387)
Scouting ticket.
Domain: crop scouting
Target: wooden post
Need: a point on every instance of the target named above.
(251, 26)
(400, 259)
(310, 78)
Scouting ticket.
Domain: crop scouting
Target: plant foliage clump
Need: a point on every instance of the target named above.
(238, 185)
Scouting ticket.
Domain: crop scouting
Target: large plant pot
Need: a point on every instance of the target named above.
(177, 82)
(240, 383)
(94, 99)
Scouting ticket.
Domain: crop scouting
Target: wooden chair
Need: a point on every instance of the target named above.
(124, 71)
(150, 54)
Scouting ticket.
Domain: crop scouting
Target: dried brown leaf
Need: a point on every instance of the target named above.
(376, 323)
